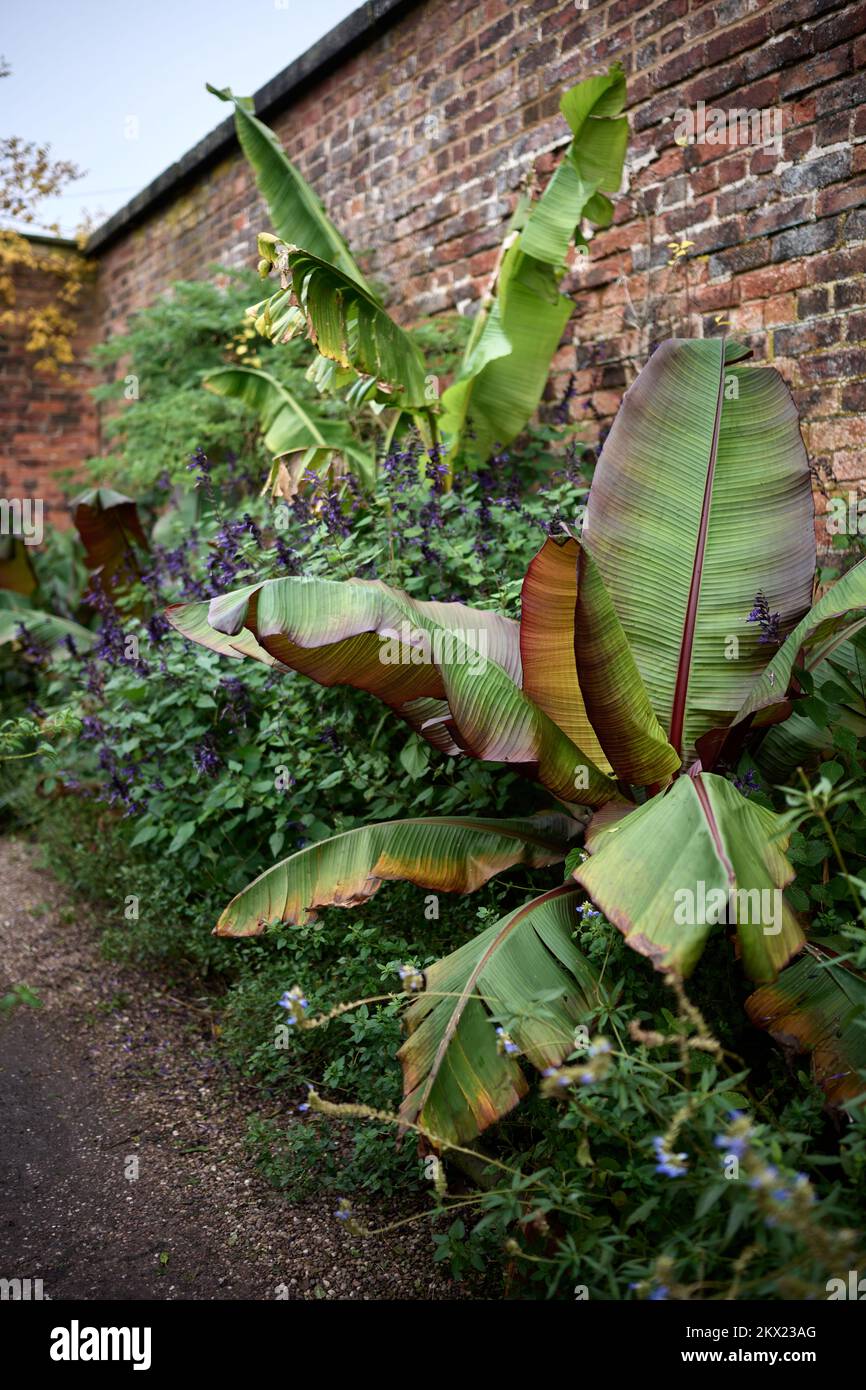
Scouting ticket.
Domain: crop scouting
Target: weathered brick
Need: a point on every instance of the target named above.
(807, 337)
(805, 241)
(834, 365)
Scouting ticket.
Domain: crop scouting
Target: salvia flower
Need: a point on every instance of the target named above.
(206, 758)
(767, 621)
(295, 1004)
(562, 411)
(747, 783)
(669, 1164)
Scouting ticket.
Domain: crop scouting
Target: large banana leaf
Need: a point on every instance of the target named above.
(344, 321)
(524, 971)
(507, 361)
(665, 875)
(819, 1007)
(592, 165)
(448, 854)
(701, 499)
(365, 634)
(287, 423)
(110, 530)
(577, 666)
(547, 643)
(616, 699)
(296, 213)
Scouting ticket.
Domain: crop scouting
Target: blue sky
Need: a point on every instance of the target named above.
(119, 87)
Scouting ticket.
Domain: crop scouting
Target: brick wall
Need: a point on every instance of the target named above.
(418, 141)
(47, 421)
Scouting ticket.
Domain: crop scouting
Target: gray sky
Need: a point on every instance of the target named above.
(118, 86)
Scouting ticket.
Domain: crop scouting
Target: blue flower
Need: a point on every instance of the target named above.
(660, 1292)
(735, 1144)
(295, 1004)
(669, 1164)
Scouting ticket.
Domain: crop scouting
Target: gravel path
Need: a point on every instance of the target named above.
(111, 1071)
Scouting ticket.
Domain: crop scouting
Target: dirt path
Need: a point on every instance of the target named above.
(110, 1071)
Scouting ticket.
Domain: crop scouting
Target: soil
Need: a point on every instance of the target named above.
(123, 1167)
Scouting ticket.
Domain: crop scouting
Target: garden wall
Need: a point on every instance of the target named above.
(48, 420)
(416, 123)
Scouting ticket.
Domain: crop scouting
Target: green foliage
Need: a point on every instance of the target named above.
(162, 413)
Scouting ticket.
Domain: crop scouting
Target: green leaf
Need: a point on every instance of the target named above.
(288, 425)
(450, 671)
(700, 855)
(184, 831)
(456, 1080)
(448, 854)
(344, 321)
(800, 739)
(297, 215)
(45, 629)
(519, 328)
(835, 619)
(685, 530)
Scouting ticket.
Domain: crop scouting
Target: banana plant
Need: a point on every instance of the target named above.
(521, 318)
(636, 672)
(290, 427)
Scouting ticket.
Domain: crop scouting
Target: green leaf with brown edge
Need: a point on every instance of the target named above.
(819, 1007)
(344, 322)
(699, 855)
(297, 214)
(615, 696)
(17, 575)
(111, 533)
(524, 969)
(287, 423)
(547, 644)
(686, 529)
(365, 634)
(447, 854)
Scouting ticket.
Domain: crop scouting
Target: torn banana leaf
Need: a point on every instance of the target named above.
(524, 974)
(447, 854)
(820, 1008)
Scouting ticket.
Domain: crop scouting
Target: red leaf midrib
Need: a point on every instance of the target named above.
(684, 664)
